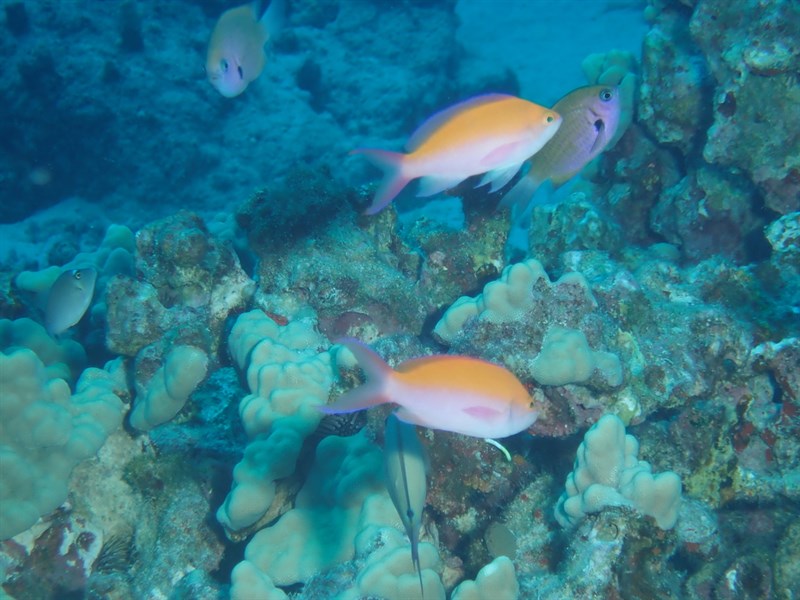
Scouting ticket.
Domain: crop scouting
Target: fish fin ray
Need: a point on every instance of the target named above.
(394, 178)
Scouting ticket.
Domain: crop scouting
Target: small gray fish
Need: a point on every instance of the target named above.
(590, 118)
(69, 299)
(406, 478)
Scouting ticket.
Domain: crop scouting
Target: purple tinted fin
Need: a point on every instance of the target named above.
(375, 368)
(371, 393)
(394, 180)
(364, 396)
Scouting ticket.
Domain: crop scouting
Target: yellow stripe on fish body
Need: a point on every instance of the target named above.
(492, 134)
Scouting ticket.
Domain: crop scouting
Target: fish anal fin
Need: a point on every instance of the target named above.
(432, 184)
(499, 177)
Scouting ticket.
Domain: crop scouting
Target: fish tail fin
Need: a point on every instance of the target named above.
(394, 176)
(370, 393)
(271, 15)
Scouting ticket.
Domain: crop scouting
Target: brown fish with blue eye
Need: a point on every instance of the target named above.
(590, 117)
(69, 298)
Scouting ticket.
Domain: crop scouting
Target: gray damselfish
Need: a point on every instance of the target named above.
(405, 463)
(69, 298)
(591, 116)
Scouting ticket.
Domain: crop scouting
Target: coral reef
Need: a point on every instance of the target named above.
(608, 473)
(288, 373)
(46, 430)
(653, 318)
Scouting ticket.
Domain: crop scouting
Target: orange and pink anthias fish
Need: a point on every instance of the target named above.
(452, 393)
(492, 134)
(236, 49)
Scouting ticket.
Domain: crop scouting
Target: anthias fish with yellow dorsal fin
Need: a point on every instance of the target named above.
(492, 134)
(452, 393)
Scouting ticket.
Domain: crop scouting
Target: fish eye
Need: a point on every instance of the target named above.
(77, 274)
(223, 64)
(241, 73)
(606, 94)
(549, 118)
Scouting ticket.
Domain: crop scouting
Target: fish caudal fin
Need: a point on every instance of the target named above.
(394, 179)
(372, 392)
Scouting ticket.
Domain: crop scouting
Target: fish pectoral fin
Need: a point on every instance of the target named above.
(599, 127)
(434, 184)
(499, 177)
(481, 412)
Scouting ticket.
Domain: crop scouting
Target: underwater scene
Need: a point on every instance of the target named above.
(400, 299)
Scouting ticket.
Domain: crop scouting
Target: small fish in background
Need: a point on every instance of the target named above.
(492, 134)
(405, 465)
(451, 393)
(590, 118)
(69, 298)
(236, 49)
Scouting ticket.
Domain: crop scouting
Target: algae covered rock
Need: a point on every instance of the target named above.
(188, 283)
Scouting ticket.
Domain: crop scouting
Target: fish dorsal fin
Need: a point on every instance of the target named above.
(424, 131)
(270, 15)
